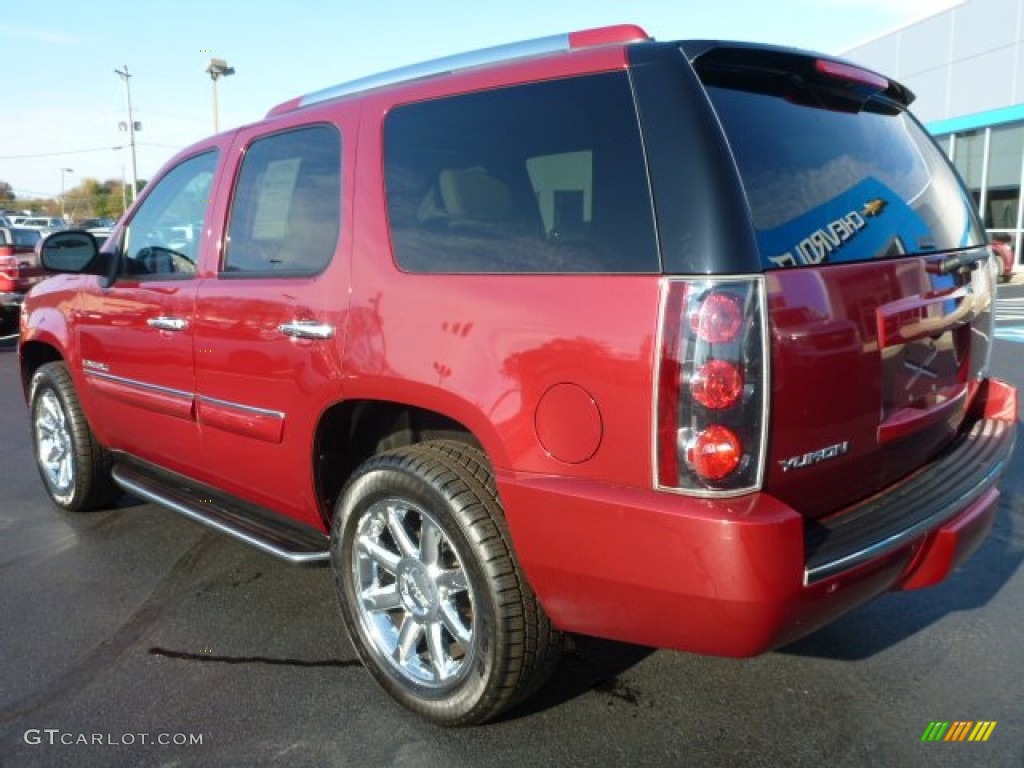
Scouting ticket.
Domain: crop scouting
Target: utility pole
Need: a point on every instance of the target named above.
(131, 128)
(62, 172)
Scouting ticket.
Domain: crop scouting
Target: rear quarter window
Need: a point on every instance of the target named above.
(546, 177)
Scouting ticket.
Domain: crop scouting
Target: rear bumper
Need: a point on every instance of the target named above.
(736, 577)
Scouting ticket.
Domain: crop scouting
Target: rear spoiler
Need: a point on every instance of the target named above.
(794, 73)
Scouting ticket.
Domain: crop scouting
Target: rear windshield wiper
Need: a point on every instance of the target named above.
(957, 262)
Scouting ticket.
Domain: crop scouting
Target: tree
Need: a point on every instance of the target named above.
(92, 198)
(6, 192)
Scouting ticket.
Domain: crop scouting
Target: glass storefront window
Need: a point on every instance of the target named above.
(1006, 153)
(969, 158)
(1000, 170)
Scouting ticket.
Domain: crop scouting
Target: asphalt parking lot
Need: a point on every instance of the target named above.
(133, 637)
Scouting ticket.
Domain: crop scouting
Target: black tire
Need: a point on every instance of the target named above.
(74, 467)
(8, 321)
(449, 628)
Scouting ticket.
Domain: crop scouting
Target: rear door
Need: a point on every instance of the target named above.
(877, 274)
(270, 321)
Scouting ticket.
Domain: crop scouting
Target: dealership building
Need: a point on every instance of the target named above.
(966, 66)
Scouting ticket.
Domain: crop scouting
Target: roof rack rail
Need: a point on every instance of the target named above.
(587, 38)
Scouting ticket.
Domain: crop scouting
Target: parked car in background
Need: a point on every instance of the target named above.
(684, 344)
(101, 234)
(19, 271)
(1000, 244)
(91, 224)
(45, 224)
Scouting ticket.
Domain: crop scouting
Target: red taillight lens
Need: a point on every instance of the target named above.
(716, 452)
(718, 318)
(717, 384)
(712, 386)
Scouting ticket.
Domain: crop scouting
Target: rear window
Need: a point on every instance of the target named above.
(545, 177)
(25, 237)
(20, 237)
(830, 185)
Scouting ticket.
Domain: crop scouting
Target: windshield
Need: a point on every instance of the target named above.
(828, 185)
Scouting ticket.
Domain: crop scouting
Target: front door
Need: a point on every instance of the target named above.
(136, 338)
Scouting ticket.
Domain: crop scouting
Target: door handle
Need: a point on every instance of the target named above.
(165, 323)
(307, 329)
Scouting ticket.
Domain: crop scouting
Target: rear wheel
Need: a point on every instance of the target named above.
(74, 466)
(429, 588)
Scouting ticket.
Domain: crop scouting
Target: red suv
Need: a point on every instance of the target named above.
(19, 271)
(684, 344)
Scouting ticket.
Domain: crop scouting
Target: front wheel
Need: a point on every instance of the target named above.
(74, 466)
(429, 588)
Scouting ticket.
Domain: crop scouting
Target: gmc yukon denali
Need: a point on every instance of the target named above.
(683, 344)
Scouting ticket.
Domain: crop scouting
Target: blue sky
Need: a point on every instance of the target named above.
(63, 98)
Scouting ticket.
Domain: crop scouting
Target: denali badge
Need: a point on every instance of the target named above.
(92, 365)
(814, 457)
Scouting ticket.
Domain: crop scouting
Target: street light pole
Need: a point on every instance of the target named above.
(218, 68)
(62, 172)
(131, 128)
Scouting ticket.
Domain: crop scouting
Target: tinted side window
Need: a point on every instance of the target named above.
(547, 177)
(163, 236)
(285, 215)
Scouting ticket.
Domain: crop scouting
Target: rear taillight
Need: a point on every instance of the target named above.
(8, 263)
(712, 386)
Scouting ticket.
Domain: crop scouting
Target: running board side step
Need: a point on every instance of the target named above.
(268, 532)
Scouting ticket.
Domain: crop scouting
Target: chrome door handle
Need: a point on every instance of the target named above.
(307, 329)
(168, 323)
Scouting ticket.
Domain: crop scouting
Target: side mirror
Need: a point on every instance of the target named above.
(71, 251)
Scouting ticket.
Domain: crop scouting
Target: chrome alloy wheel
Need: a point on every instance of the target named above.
(414, 599)
(54, 445)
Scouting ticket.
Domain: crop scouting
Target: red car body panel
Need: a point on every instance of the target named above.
(721, 576)
(837, 378)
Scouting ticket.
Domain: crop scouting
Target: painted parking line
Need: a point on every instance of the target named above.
(1010, 309)
(1010, 334)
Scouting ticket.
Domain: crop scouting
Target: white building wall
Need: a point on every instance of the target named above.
(963, 60)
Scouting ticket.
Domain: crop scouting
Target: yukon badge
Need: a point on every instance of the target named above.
(814, 457)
